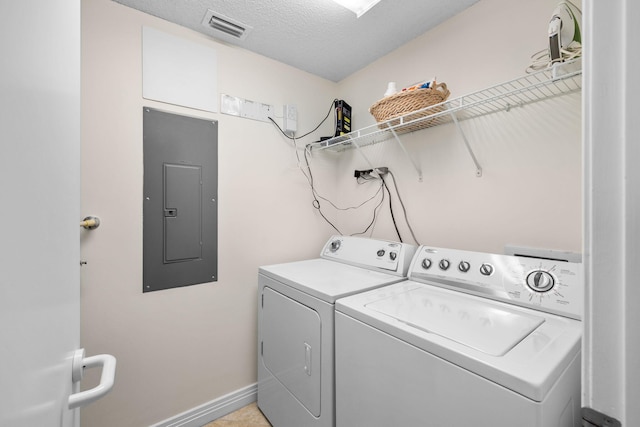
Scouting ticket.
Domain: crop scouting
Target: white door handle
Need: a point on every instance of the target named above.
(108, 364)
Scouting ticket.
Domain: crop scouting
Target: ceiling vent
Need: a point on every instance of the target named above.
(223, 24)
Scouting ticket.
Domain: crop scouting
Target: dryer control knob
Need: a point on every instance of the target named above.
(540, 281)
(426, 263)
(444, 264)
(464, 266)
(487, 269)
(335, 245)
(380, 252)
(393, 256)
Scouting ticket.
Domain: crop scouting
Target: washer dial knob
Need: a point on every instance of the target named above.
(335, 245)
(426, 263)
(486, 269)
(393, 256)
(540, 281)
(464, 266)
(444, 264)
(380, 252)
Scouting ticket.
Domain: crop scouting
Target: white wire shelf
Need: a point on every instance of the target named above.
(563, 78)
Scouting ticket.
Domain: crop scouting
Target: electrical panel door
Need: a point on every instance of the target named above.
(182, 212)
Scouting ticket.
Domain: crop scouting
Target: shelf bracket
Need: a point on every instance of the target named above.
(355, 144)
(397, 138)
(466, 142)
(404, 150)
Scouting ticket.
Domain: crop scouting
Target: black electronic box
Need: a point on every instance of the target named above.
(343, 117)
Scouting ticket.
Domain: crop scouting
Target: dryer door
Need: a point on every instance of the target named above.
(291, 347)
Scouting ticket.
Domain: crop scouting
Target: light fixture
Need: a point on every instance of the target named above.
(359, 7)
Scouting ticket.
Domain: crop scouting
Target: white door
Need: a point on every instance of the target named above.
(39, 210)
(611, 348)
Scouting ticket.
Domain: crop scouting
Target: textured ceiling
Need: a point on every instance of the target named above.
(317, 36)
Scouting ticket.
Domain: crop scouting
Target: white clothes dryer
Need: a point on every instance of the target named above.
(471, 339)
(296, 324)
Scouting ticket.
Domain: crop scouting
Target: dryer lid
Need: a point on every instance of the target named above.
(488, 328)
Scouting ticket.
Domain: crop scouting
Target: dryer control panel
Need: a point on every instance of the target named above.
(382, 255)
(552, 286)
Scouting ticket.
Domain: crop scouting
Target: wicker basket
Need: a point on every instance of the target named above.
(403, 103)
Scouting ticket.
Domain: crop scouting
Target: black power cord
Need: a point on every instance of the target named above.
(309, 176)
(311, 131)
(403, 209)
(317, 205)
(361, 179)
(393, 218)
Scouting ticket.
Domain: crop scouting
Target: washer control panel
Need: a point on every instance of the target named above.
(382, 255)
(554, 286)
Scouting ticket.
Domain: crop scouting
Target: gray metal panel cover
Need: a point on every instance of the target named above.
(180, 234)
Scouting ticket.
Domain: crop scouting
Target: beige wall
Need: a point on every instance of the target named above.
(181, 348)
(177, 349)
(530, 191)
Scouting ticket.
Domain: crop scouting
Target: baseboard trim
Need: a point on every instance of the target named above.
(213, 410)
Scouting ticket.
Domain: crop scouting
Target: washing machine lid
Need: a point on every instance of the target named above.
(528, 361)
(490, 329)
(327, 280)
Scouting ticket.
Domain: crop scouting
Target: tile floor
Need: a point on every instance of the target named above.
(249, 416)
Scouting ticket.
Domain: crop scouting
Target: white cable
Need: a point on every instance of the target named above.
(542, 59)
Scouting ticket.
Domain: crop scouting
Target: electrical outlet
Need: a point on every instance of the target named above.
(380, 172)
(359, 173)
(245, 108)
(290, 118)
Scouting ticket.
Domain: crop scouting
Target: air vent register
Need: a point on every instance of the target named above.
(223, 25)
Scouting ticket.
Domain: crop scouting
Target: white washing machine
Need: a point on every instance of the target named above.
(471, 339)
(296, 324)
